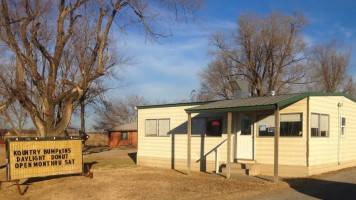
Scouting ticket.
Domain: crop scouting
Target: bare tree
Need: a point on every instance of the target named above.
(214, 80)
(118, 111)
(53, 65)
(13, 113)
(267, 51)
(330, 63)
(4, 128)
(16, 116)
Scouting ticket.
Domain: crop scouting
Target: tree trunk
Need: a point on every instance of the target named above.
(82, 117)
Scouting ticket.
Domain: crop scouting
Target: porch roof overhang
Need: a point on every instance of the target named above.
(257, 103)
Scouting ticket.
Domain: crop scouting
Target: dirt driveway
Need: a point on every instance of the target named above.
(116, 176)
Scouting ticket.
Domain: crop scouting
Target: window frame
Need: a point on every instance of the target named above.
(319, 122)
(210, 119)
(157, 127)
(258, 124)
(342, 127)
(124, 133)
(280, 126)
(265, 115)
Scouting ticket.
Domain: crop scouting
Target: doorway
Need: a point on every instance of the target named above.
(245, 137)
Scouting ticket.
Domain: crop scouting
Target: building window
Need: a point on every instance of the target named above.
(157, 127)
(246, 124)
(266, 125)
(343, 127)
(214, 127)
(319, 125)
(291, 125)
(199, 126)
(124, 135)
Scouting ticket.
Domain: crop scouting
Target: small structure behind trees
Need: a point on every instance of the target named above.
(118, 111)
(123, 135)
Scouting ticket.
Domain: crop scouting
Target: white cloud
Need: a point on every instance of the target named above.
(168, 69)
(309, 40)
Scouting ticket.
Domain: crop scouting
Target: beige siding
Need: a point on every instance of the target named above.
(292, 150)
(334, 149)
(325, 154)
(164, 149)
(284, 170)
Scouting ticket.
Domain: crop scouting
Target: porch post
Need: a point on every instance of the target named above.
(189, 142)
(308, 130)
(229, 124)
(276, 138)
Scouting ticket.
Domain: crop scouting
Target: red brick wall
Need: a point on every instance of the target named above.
(115, 139)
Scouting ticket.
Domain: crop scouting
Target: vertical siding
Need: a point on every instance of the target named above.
(292, 150)
(334, 149)
(174, 146)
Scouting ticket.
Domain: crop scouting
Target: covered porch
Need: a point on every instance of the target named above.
(244, 111)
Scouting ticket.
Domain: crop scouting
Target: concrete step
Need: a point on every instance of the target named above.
(251, 169)
(244, 161)
(234, 168)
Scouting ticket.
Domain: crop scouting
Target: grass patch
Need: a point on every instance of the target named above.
(100, 161)
(116, 176)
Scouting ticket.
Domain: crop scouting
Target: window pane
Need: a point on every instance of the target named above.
(199, 126)
(343, 121)
(163, 127)
(124, 135)
(291, 129)
(245, 126)
(324, 125)
(343, 131)
(314, 121)
(314, 132)
(214, 127)
(291, 118)
(151, 127)
(291, 125)
(266, 125)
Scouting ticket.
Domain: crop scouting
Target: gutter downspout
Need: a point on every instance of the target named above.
(308, 129)
(339, 132)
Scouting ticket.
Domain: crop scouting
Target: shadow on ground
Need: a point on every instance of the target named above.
(30, 181)
(92, 150)
(323, 189)
(133, 156)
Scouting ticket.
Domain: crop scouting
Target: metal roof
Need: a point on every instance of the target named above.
(257, 103)
(126, 127)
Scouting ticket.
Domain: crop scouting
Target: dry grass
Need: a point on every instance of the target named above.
(97, 140)
(117, 176)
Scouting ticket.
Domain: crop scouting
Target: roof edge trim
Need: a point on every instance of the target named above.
(311, 94)
(174, 105)
(245, 108)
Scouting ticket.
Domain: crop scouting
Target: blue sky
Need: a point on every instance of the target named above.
(168, 70)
